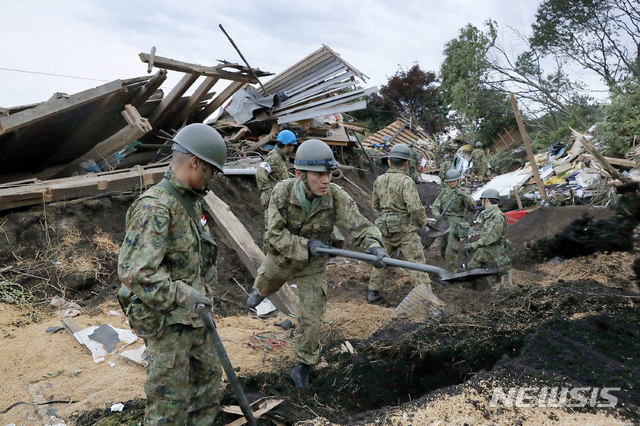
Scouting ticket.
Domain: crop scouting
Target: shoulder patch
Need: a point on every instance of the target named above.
(266, 166)
(160, 223)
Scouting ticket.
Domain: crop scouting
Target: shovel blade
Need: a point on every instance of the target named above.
(472, 274)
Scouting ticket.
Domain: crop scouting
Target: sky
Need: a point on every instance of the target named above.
(101, 40)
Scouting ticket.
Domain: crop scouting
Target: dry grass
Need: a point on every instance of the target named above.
(606, 268)
(105, 242)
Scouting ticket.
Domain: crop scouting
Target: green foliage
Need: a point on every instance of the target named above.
(555, 127)
(411, 93)
(481, 108)
(622, 117)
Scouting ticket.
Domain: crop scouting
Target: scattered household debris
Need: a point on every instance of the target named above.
(95, 347)
(63, 308)
(260, 409)
(134, 356)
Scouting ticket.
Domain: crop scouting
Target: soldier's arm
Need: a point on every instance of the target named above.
(289, 245)
(262, 176)
(437, 204)
(349, 219)
(140, 262)
(413, 203)
(490, 232)
(375, 198)
(468, 201)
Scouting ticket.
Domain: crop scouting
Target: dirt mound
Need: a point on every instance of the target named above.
(546, 222)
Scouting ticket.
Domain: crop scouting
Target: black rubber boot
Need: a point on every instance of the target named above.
(300, 375)
(373, 296)
(254, 299)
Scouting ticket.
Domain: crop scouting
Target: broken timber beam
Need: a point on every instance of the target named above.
(170, 100)
(250, 254)
(194, 100)
(149, 89)
(80, 186)
(172, 64)
(137, 126)
(600, 158)
(50, 108)
(218, 101)
(527, 146)
(615, 161)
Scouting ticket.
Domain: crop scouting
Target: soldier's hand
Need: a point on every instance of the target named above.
(437, 216)
(314, 245)
(379, 253)
(468, 248)
(195, 298)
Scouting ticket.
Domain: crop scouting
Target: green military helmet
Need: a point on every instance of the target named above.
(400, 151)
(451, 175)
(491, 194)
(202, 141)
(315, 156)
(478, 144)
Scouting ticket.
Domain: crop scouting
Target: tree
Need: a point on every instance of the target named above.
(621, 126)
(479, 106)
(600, 35)
(412, 94)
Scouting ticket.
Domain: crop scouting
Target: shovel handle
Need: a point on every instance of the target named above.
(389, 261)
(226, 364)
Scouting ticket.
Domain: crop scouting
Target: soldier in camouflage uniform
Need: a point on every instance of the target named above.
(302, 214)
(451, 204)
(274, 169)
(478, 158)
(490, 250)
(445, 167)
(395, 196)
(167, 267)
(413, 164)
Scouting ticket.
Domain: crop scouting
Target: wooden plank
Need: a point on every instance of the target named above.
(527, 146)
(194, 100)
(196, 69)
(615, 161)
(313, 113)
(80, 186)
(600, 158)
(332, 100)
(218, 101)
(72, 328)
(250, 254)
(18, 120)
(170, 100)
(149, 89)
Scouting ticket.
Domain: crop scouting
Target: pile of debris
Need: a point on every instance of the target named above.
(102, 132)
(568, 172)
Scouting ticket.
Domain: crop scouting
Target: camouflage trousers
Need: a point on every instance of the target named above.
(450, 248)
(411, 248)
(312, 292)
(491, 257)
(264, 201)
(183, 378)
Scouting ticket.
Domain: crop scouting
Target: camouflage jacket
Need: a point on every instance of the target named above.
(462, 202)
(444, 168)
(161, 251)
(478, 157)
(272, 170)
(413, 162)
(395, 196)
(289, 228)
(493, 228)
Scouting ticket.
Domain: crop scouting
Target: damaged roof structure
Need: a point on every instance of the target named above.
(126, 123)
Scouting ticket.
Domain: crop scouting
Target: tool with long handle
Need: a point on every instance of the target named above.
(226, 365)
(442, 273)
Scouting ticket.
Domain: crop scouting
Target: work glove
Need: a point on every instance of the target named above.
(379, 253)
(314, 245)
(437, 216)
(195, 298)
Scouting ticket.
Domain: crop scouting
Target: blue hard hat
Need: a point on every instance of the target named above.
(286, 137)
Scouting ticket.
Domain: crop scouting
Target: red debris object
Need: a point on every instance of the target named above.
(515, 215)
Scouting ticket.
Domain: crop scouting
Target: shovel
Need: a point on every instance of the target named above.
(444, 275)
(438, 229)
(226, 365)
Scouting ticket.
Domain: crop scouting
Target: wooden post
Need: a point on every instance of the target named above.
(518, 200)
(527, 146)
(250, 254)
(600, 158)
